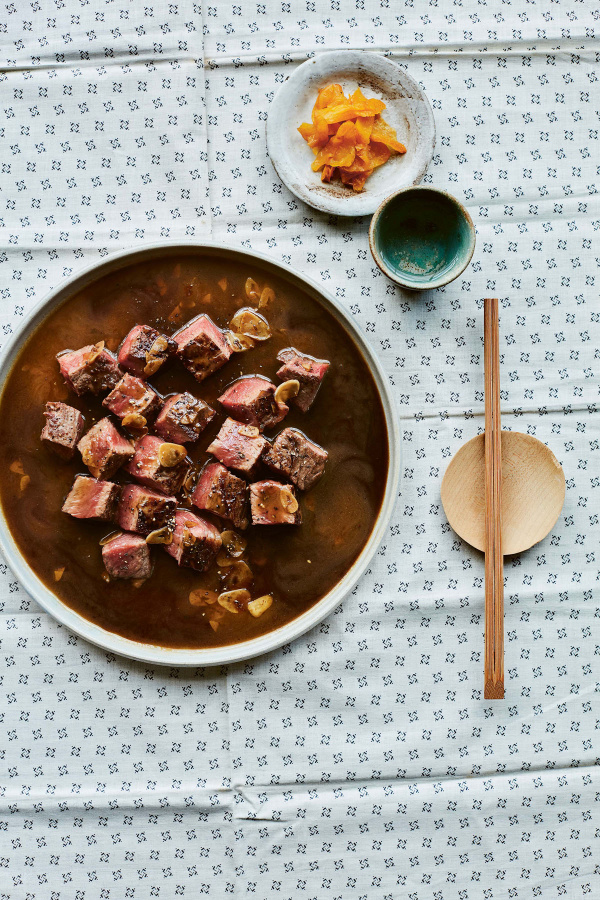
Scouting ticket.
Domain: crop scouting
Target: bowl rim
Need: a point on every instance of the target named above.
(391, 273)
(228, 653)
(366, 202)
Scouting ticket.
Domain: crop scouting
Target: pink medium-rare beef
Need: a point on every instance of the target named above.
(144, 350)
(238, 446)
(300, 460)
(195, 543)
(251, 399)
(132, 396)
(309, 371)
(143, 510)
(147, 468)
(104, 449)
(92, 499)
(92, 368)
(63, 429)
(201, 346)
(183, 418)
(127, 556)
(221, 492)
(273, 503)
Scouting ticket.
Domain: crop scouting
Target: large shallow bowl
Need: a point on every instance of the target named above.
(230, 653)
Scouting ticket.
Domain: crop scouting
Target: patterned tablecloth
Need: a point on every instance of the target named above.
(361, 761)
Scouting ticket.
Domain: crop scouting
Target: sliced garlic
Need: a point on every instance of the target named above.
(134, 420)
(170, 455)
(233, 601)
(238, 575)
(257, 607)
(250, 323)
(267, 296)
(233, 543)
(202, 597)
(287, 390)
(223, 559)
(251, 431)
(160, 536)
(251, 288)
(159, 346)
(288, 501)
(58, 573)
(239, 343)
(153, 366)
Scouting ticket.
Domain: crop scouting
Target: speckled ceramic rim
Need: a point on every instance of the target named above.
(233, 652)
(391, 273)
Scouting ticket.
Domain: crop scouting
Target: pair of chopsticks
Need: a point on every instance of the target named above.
(494, 568)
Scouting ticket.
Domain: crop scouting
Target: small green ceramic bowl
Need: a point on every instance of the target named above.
(422, 238)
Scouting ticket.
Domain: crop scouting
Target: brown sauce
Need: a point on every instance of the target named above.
(298, 565)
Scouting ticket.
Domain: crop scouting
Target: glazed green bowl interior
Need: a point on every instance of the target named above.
(422, 238)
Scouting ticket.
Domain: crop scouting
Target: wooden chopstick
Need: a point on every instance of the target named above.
(494, 561)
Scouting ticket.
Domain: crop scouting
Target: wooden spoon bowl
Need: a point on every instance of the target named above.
(533, 492)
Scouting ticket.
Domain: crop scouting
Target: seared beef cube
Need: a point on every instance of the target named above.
(93, 368)
(272, 503)
(251, 399)
(104, 449)
(132, 400)
(221, 492)
(202, 347)
(92, 499)
(159, 465)
(305, 369)
(195, 543)
(238, 446)
(63, 428)
(299, 459)
(127, 556)
(142, 510)
(183, 418)
(144, 350)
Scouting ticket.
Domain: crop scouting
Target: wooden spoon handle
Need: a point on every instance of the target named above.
(494, 570)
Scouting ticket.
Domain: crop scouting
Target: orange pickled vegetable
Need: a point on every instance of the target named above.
(348, 136)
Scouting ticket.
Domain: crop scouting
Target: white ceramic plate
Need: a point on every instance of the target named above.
(270, 641)
(408, 111)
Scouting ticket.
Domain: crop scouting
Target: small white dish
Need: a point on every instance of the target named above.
(407, 110)
(228, 653)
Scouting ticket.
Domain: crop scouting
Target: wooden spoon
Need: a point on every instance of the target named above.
(533, 491)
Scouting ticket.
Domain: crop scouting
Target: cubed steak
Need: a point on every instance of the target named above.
(201, 346)
(133, 401)
(183, 418)
(127, 556)
(251, 399)
(63, 429)
(143, 510)
(300, 460)
(238, 446)
(195, 543)
(221, 492)
(144, 350)
(159, 465)
(92, 368)
(104, 449)
(92, 499)
(272, 503)
(309, 371)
